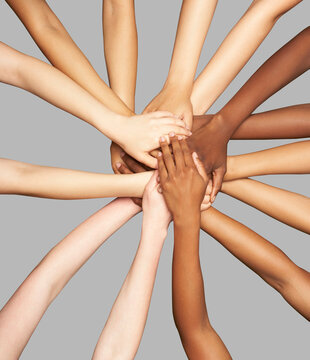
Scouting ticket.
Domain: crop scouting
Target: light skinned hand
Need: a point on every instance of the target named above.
(174, 100)
(154, 205)
(182, 176)
(140, 134)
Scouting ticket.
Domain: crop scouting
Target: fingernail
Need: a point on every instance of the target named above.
(172, 134)
(118, 165)
(213, 199)
(190, 133)
(162, 139)
(159, 154)
(180, 137)
(195, 155)
(122, 154)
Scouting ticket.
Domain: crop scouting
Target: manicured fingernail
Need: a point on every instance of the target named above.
(162, 139)
(122, 154)
(159, 154)
(180, 137)
(195, 155)
(172, 134)
(118, 165)
(190, 133)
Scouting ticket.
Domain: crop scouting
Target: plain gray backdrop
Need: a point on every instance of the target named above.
(252, 319)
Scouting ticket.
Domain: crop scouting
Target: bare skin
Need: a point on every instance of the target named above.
(210, 141)
(183, 183)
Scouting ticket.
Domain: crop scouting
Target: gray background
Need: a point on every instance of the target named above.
(252, 319)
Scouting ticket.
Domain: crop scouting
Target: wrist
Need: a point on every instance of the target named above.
(187, 219)
(179, 85)
(224, 125)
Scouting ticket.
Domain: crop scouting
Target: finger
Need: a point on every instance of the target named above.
(167, 157)
(133, 164)
(123, 169)
(178, 130)
(164, 114)
(209, 186)
(137, 201)
(162, 171)
(159, 189)
(177, 151)
(187, 153)
(148, 160)
(218, 176)
(200, 167)
(205, 207)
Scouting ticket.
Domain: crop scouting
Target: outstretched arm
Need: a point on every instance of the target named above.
(53, 86)
(290, 122)
(210, 141)
(264, 258)
(58, 183)
(286, 206)
(59, 48)
(122, 333)
(183, 184)
(194, 22)
(235, 51)
(121, 48)
(291, 158)
(19, 317)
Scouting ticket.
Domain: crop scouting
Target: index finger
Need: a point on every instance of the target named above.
(187, 153)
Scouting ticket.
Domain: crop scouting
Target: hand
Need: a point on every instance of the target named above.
(183, 179)
(154, 205)
(210, 142)
(140, 134)
(131, 166)
(174, 100)
(116, 156)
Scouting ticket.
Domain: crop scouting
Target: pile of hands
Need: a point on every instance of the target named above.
(206, 135)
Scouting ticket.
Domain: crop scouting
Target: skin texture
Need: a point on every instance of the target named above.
(194, 22)
(264, 258)
(183, 183)
(210, 141)
(235, 51)
(19, 318)
(53, 86)
(133, 301)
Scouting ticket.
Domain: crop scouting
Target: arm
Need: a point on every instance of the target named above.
(291, 158)
(183, 185)
(286, 206)
(235, 51)
(131, 306)
(194, 22)
(121, 48)
(19, 317)
(264, 258)
(59, 48)
(53, 86)
(210, 141)
(58, 183)
(285, 123)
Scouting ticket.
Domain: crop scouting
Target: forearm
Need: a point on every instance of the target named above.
(194, 22)
(121, 48)
(58, 183)
(292, 158)
(285, 123)
(264, 258)
(235, 51)
(59, 48)
(50, 84)
(122, 333)
(292, 60)
(286, 206)
(22, 313)
(198, 337)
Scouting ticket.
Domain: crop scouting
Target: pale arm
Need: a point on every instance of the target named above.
(264, 258)
(22, 313)
(59, 48)
(58, 183)
(122, 333)
(286, 206)
(235, 51)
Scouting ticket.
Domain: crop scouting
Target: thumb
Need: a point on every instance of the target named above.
(218, 176)
(199, 166)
